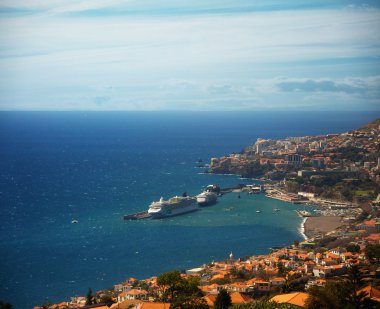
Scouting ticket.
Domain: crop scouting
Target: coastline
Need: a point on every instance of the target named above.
(302, 228)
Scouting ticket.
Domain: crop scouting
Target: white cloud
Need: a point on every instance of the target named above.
(220, 58)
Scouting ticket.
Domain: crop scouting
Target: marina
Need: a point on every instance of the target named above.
(184, 204)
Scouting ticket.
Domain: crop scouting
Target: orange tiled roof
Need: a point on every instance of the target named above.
(210, 299)
(149, 305)
(238, 298)
(371, 292)
(136, 292)
(297, 298)
(370, 222)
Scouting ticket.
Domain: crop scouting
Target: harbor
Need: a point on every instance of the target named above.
(183, 204)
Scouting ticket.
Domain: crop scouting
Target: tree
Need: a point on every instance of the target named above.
(168, 283)
(353, 248)
(353, 283)
(5, 305)
(107, 300)
(181, 292)
(333, 296)
(262, 304)
(223, 300)
(372, 252)
(89, 297)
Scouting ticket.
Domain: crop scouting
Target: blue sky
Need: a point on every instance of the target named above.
(189, 55)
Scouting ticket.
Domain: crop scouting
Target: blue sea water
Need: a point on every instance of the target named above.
(95, 167)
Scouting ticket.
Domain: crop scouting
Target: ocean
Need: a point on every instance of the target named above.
(95, 167)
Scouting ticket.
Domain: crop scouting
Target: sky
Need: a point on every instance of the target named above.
(206, 55)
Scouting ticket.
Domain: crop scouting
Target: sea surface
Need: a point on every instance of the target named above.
(95, 167)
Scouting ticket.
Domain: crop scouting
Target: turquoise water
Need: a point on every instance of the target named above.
(96, 167)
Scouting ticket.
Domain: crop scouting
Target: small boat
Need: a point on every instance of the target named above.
(74, 221)
(258, 211)
(276, 209)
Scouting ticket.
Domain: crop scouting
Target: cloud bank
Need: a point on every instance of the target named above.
(147, 55)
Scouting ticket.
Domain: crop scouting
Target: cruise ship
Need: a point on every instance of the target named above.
(175, 206)
(206, 198)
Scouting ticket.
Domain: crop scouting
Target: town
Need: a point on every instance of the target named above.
(335, 267)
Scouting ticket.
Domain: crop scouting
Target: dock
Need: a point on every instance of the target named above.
(137, 216)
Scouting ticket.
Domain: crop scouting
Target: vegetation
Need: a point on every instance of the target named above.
(180, 292)
(89, 297)
(223, 300)
(264, 305)
(5, 305)
(107, 300)
(340, 294)
(372, 252)
(353, 248)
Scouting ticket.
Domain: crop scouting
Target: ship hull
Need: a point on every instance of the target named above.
(206, 198)
(173, 212)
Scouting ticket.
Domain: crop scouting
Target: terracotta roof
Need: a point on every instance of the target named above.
(370, 222)
(371, 292)
(125, 304)
(297, 298)
(155, 305)
(238, 298)
(136, 292)
(210, 299)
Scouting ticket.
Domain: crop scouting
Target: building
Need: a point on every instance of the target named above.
(296, 298)
(293, 159)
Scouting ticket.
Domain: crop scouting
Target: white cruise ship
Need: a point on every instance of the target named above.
(206, 198)
(175, 206)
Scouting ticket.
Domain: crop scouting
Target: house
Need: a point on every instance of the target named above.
(239, 298)
(321, 271)
(277, 281)
(149, 305)
(210, 299)
(238, 287)
(137, 294)
(328, 262)
(368, 224)
(195, 271)
(309, 266)
(262, 286)
(315, 282)
(372, 292)
(296, 298)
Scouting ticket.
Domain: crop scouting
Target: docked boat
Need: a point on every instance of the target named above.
(206, 198)
(304, 213)
(175, 206)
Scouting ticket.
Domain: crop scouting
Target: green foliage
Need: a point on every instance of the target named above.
(89, 297)
(221, 281)
(181, 292)
(352, 154)
(239, 274)
(195, 303)
(107, 300)
(5, 305)
(253, 169)
(372, 252)
(339, 295)
(223, 300)
(143, 285)
(353, 248)
(264, 305)
(332, 296)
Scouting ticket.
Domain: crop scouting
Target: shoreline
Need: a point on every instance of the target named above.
(302, 228)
